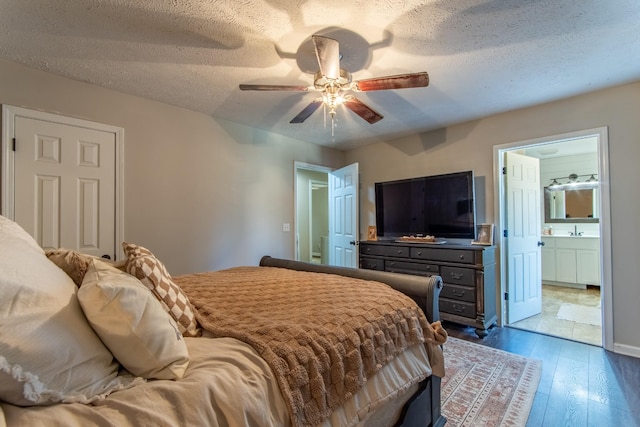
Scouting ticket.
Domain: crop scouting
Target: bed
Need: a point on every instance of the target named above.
(84, 342)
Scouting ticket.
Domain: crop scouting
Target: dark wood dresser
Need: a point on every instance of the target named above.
(468, 272)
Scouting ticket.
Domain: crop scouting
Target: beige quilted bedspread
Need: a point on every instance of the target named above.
(323, 335)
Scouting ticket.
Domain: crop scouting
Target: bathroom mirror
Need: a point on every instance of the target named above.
(571, 204)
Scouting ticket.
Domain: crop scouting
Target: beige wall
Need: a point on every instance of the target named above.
(201, 193)
(207, 194)
(470, 146)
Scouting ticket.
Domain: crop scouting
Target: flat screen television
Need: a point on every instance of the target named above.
(437, 205)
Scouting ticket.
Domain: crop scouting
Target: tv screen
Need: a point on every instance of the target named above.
(438, 205)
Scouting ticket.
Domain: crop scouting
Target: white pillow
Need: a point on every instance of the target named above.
(132, 323)
(48, 351)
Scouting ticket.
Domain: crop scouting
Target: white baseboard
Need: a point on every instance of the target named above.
(627, 350)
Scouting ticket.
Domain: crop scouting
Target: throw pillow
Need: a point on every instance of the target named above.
(132, 323)
(75, 263)
(48, 351)
(142, 264)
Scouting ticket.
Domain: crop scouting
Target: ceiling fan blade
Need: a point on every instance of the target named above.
(308, 110)
(328, 54)
(362, 109)
(274, 87)
(401, 81)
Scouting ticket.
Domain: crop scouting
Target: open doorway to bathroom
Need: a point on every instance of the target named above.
(574, 248)
(312, 213)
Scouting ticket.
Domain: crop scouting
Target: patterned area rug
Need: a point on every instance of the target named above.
(487, 387)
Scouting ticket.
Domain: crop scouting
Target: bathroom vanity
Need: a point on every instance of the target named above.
(572, 261)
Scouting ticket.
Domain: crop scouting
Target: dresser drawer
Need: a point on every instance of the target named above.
(458, 276)
(384, 250)
(447, 255)
(371, 249)
(396, 251)
(459, 293)
(372, 264)
(458, 308)
(412, 268)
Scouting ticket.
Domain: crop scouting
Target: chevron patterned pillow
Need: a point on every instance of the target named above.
(142, 264)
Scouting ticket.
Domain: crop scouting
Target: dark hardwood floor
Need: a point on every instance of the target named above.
(581, 384)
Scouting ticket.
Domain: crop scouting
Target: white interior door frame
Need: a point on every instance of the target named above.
(605, 219)
(7, 175)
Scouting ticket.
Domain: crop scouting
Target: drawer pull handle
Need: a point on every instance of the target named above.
(419, 253)
(458, 310)
(461, 256)
(456, 276)
(458, 293)
(399, 252)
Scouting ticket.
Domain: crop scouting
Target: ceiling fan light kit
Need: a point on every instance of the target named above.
(334, 84)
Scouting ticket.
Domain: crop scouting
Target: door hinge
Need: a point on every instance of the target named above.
(504, 170)
(14, 145)
(506, 296)
(505, 233)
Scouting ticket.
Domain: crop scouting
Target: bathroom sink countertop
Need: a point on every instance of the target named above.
(576, 237)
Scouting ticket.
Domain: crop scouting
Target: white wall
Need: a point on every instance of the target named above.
(201, 193)
(470, 146)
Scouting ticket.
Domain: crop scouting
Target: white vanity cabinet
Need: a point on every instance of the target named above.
(571, 260)
(548, 259)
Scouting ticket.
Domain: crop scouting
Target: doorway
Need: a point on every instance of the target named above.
(561, 304)
(312, 216)
(319, 221)
(329, 230)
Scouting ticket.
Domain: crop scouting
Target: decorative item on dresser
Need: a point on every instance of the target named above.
(468, 272)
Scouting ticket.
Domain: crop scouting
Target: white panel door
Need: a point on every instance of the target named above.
(65, 185)
(343, 212)
(523, 236)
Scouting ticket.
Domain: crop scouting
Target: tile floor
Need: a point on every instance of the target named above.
(548, 323)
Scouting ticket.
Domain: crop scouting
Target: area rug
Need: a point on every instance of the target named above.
(580, 314)
(487, 387)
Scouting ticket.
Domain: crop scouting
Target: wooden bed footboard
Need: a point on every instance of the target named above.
(423, 409)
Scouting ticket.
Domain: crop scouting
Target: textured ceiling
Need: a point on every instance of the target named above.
(482, 57)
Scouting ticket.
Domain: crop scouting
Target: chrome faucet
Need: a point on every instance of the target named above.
(575, 231)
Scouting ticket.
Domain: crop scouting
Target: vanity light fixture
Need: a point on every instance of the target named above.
(572, 181)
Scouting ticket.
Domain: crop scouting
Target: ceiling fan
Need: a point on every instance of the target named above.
(335, 85)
